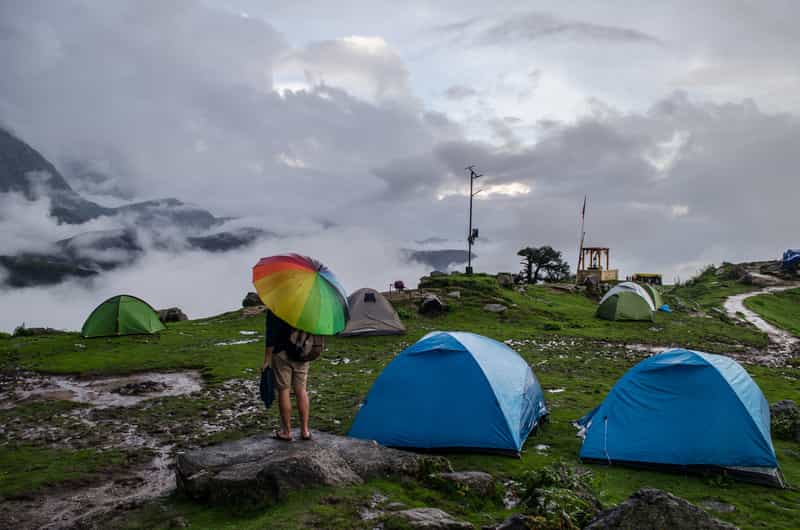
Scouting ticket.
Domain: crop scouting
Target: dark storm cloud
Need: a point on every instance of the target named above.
(535, 26)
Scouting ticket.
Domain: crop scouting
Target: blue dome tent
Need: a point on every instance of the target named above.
(453, 390)
(688, 409)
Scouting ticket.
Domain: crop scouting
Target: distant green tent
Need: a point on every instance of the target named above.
(122, 315)
(625, 305)
(655, 295)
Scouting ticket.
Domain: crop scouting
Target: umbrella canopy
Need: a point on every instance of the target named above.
(302, 292)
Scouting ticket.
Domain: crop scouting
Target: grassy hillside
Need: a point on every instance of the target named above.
(571, 352)
(780, 309)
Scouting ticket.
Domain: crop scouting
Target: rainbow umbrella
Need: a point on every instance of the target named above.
(303, 292)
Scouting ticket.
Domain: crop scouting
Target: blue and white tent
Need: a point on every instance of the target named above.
(684, 408)
(791, 259)
(453, 390)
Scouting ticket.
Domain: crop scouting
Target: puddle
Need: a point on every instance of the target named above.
(782, 340)
(104, 392)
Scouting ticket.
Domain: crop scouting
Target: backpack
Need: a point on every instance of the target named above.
(304, 347)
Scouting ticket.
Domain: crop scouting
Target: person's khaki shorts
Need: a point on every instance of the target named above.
(288, 373)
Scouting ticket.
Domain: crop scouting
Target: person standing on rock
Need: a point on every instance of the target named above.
(289, 352)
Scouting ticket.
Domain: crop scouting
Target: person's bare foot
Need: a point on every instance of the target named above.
(279, 435)
(306, 435)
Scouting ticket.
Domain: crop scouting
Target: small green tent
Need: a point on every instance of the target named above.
(655, 295)
(122, 315)
(625, 305)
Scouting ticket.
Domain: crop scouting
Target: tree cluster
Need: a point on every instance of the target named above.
(542, 263)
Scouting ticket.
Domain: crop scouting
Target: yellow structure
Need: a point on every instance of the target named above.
(646, 277)
(590, 265)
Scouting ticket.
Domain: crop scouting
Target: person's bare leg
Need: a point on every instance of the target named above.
(285, 408)
(301, 395)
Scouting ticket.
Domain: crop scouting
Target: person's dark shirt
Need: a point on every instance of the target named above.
(277, 332)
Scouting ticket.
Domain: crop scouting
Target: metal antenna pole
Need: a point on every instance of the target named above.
(470, 237)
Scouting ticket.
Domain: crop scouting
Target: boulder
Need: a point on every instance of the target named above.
(519, 522)
(652, 508)
(495, 308)
(428, 518)
(251, 300)
(260, 470)
(431, 305)
(785, 419)
(454, 294)
(172, 314)
(505, 280)
(472, 482)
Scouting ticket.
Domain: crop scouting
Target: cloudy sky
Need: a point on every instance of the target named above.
(354, 120)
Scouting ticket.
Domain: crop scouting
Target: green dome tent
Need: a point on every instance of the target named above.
(122, 315)
(655, 295)
(625, 305)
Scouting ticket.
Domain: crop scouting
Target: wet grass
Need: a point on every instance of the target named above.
(781, 309)
(555, 331)
(25, 469)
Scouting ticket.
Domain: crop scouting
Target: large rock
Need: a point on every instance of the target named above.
(172, 314)
(432, 305)
(428, 518)
(495, 308)
(260, 470)
(251, 300)
(650, 508)
(472, 482)
(505, 279)
(785, 418)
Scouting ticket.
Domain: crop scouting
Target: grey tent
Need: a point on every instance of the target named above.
(371, 314)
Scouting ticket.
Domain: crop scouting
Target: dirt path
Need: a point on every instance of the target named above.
(781, 340)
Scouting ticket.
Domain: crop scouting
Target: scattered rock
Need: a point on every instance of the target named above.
(432, 305)
(251, 300)
(495, 308)
(253, 310)
(454, 294)
(172, 314)
(652, 508)
(260, 470)
(138, 388)
(505, 279)
(179, 522)
(519, 522)
(395, 506)
(428, 518)
(472, 482)
(718, 506)
(785, 419)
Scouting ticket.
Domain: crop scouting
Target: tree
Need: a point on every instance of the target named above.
(544, 260)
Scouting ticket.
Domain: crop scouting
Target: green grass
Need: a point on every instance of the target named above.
(25, 469)
(780, 309)
(561, 339)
